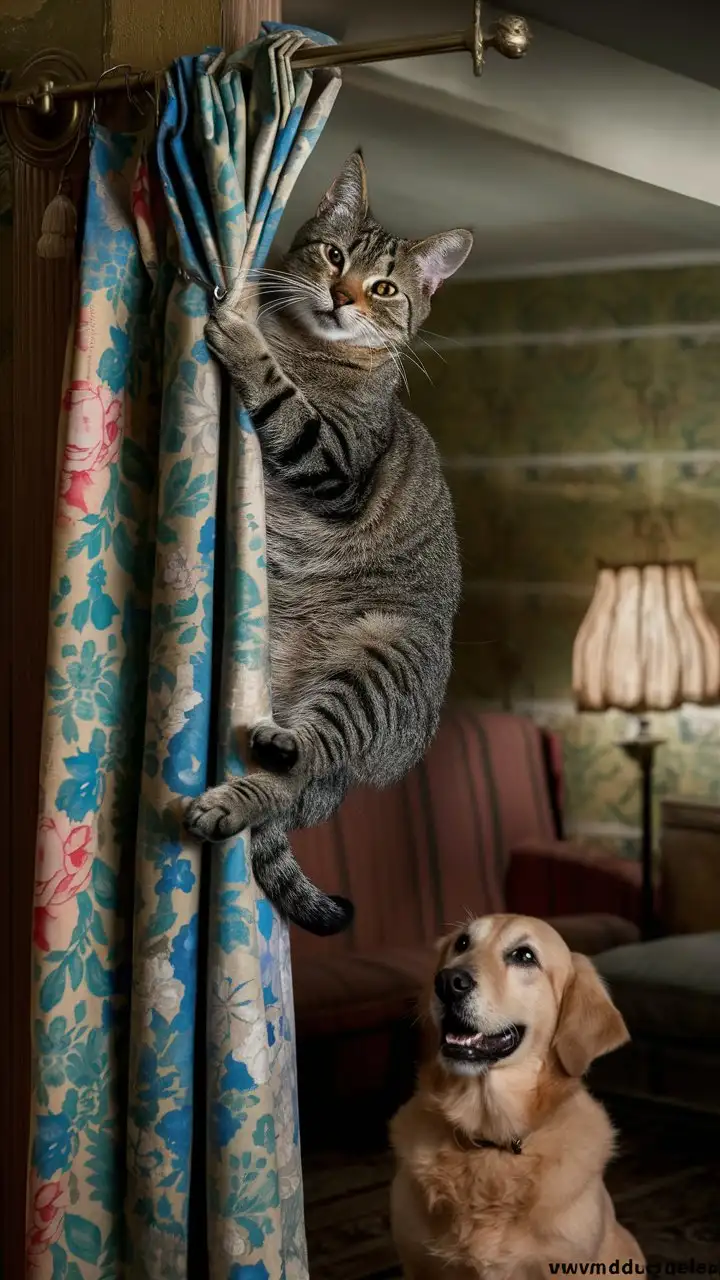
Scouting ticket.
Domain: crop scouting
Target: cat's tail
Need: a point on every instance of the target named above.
(283, 881)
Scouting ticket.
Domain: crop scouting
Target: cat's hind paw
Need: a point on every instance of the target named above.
(273, 748)
(215, 815)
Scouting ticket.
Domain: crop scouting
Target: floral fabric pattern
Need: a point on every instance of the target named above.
(143, 627)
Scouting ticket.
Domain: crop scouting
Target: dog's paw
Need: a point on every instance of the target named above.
(215, 815)
(273, 748)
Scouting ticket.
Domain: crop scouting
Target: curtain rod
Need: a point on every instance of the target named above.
(509, 35)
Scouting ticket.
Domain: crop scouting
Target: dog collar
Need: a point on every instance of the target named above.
(467, 1143)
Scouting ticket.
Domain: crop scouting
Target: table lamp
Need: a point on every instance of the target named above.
(645, 644)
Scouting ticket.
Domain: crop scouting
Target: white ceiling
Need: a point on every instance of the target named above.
(578, 157)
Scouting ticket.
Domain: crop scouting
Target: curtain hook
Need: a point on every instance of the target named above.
(219, 293)
(154, 94)
(119, 66)
(128, 89)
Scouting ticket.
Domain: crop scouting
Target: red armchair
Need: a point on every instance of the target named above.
(567, 878)
(476, 828)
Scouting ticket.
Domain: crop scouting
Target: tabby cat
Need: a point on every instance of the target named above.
(362, 556)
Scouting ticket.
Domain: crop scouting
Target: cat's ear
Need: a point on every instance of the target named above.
(440, 256)
(347, 200)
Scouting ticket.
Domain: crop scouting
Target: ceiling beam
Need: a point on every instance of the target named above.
(577, 99)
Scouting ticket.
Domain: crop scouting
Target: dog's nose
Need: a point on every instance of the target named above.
(451, 984)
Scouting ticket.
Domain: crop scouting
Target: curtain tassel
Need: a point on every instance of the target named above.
(59, 225)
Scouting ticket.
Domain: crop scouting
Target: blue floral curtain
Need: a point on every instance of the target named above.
(137, 665)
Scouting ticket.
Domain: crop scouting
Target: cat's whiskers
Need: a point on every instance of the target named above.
(444, 337)
(277, 308)
(281, 279)
(387, 344)
(399, 348)
(283, 289)
(430, 347)
(407, 352)
(394, 349)
(290, 292)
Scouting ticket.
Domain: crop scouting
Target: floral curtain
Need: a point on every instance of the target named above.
(158, 617)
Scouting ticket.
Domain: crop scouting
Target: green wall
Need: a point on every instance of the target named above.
(564, 408)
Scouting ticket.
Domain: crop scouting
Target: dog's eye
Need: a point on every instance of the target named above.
(523, 956)
(462, 943)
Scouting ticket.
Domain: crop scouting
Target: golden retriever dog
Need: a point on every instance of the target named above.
(501, 1151)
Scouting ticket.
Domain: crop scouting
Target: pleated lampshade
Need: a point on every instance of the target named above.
(646, 642)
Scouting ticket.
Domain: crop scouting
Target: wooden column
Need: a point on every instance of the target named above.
(187, 26)
(41, 307)
(151, 38)
(241, 20)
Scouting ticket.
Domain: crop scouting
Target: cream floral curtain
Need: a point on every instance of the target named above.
(158, 617)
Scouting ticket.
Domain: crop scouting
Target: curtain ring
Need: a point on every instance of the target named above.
(119, 66)
(154, 95)
(130, 90)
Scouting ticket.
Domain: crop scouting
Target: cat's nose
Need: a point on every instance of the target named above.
(340, 296)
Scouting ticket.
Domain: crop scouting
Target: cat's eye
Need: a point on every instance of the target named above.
(384, 289)
(462, 942)
(333, 255)
(524, 957)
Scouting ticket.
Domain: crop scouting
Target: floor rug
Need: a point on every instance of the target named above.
(665, 1181)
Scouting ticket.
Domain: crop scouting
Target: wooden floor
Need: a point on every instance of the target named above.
(665, 1182)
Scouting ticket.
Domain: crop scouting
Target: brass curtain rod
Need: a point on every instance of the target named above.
(509, 36)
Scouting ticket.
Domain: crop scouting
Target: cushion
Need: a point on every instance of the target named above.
(563, 876)
(593, 934)
(668, 988)
(419, 855)
(347, 991)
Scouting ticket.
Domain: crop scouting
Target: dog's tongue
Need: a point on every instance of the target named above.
(480, 1040)
(477, 1039)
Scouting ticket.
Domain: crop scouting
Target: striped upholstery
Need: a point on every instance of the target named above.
(419, 856)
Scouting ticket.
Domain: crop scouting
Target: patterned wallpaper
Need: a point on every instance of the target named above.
(565, 409)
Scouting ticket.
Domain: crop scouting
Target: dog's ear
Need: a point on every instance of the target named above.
(427, 1029)
(589, 1025)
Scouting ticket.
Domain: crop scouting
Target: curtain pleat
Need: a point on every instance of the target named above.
(158, 654)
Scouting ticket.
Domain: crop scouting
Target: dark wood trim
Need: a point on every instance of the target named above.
(41, 308)
(241, 20)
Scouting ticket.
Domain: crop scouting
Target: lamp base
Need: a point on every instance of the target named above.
(642, 743)
(641, 747)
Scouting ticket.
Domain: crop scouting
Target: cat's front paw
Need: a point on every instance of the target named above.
(215, 815)
(273, 748)
(223, 332)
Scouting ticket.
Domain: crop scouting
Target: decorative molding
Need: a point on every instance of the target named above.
(576, 461)
(604, 830)
(658, 261)
(703, 331)
(536, 707)
(578, 590)
(47, 141)
(551, 709)
(489, 586)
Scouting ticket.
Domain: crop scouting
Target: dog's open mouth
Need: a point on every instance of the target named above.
(480, 1046)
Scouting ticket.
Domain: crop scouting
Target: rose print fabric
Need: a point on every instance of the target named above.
(157, 655)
